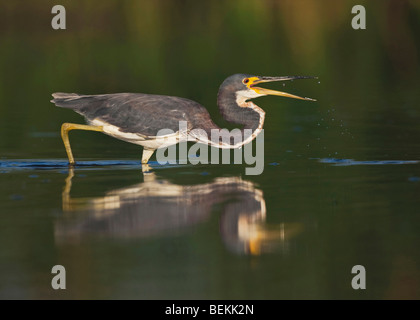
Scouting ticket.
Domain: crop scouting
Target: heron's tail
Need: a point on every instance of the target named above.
(60, 97)
(66, 100)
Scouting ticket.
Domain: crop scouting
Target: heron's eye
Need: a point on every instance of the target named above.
(246, 80)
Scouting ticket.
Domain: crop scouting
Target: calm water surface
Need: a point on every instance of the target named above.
(203, 232)
(340, 186)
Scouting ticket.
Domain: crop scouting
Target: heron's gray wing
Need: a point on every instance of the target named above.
(135, 112)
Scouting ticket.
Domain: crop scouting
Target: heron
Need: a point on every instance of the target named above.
(138, 118)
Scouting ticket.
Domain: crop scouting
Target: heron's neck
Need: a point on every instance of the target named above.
(251, 123)
(235, 109)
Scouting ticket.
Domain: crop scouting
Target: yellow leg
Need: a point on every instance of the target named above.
(66, 127)
(147, 153)
(146, 169)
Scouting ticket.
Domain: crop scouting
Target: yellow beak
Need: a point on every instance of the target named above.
(256, 80)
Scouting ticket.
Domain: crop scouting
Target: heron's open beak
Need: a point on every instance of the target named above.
(256, 80)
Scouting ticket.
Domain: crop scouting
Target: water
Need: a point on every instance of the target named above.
(122, 235)
(339, 188)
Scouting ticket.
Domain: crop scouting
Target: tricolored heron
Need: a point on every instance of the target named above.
(137, 117)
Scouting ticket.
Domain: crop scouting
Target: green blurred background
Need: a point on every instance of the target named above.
(367, 110)
(187, 48)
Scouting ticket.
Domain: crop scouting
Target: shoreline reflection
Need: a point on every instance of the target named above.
(157, 207)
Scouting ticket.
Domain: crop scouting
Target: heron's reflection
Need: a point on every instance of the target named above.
(157, 207)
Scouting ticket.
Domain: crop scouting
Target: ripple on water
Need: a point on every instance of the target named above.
(62, 165)
(351, 162)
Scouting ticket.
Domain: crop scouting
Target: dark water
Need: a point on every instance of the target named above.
(341, 181)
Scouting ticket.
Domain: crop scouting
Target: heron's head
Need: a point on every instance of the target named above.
(245, 85)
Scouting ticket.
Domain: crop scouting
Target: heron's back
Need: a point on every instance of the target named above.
(138, 113)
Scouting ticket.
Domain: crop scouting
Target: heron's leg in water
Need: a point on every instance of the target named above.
(66, 127)
(147, 170)
(147, 153)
